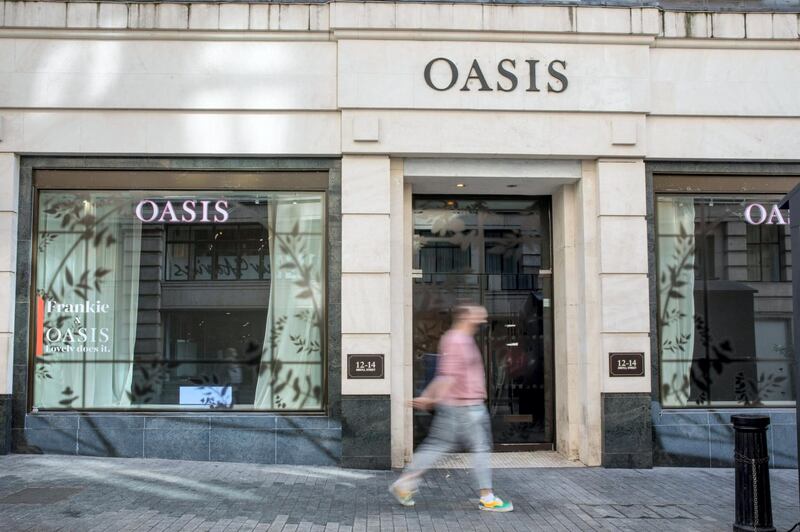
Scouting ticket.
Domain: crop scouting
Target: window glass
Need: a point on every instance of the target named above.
(164, 300)
(465, 235)
(724, 301)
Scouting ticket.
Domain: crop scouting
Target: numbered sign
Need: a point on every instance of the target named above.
(364, 366)
(626, 364)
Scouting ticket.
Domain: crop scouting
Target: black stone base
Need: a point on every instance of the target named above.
(366, 432)
(5, 424)
(223, 437)
(627, 431)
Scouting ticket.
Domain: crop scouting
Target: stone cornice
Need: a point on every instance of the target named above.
(483, 21)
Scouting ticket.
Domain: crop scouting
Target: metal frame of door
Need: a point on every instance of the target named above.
(545, 277)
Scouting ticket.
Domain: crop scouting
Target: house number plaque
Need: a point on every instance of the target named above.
(364, 366)
(626, 364)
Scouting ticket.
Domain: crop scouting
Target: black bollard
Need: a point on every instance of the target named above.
(753, 499)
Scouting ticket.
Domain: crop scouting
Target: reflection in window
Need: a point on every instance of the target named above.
(220, 252)
(765, 253)
(724, 314)
(160, 312)
(492, 236)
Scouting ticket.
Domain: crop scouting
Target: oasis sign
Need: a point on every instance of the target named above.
(757, 214)
(442, 74)
(188, 211)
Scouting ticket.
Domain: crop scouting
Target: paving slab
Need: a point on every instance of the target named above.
(65, 493)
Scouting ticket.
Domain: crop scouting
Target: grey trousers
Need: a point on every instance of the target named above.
(454, 427)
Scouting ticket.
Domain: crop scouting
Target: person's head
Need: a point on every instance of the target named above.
(469, 316)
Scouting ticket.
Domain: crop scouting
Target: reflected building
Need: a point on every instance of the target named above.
(237, 233)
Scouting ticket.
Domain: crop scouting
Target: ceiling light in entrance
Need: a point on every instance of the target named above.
(460, 185)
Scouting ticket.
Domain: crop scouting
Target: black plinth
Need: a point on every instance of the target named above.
(753, 498)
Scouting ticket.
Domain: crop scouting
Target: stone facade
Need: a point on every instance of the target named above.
(247, 437)
(341, 86)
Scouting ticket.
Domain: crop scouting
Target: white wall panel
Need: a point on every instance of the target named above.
(9, 190)
(497, 134)
(172, 132)
(621, 190)
(365, 185)
(735, 82)
(366, 301)
(625, 303)
(139, 74)
(723, 138)
(365, 243)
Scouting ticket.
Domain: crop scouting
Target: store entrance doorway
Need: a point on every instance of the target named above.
(494, 251)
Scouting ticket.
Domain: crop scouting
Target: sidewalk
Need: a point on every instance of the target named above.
(42, 493)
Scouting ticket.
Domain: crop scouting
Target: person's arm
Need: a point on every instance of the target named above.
(444, 380)
(437, 388)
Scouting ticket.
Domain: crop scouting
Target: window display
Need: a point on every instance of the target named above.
(179, 300)
(724, 302)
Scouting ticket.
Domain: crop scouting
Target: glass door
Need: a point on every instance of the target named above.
(494, 252)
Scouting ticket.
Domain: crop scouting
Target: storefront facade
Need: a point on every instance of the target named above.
(235, 232)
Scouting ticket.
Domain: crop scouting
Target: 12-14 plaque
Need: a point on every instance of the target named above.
(626, 364)
(364, 366)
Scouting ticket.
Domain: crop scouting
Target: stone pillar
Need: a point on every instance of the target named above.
(402, 309)
(625, 322)
(587, 373)
(366, 316)
(9, 194)
(567, 297)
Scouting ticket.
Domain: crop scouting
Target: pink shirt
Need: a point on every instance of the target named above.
(460, 359)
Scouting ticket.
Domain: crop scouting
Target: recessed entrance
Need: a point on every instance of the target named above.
(494, 251)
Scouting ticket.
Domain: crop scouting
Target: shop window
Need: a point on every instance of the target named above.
(443, 257)
(219, 251)
(765, 253)
(724, 305)
(500, 238)
(179, 300)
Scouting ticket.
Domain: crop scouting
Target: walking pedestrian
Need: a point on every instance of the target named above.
(458, 394)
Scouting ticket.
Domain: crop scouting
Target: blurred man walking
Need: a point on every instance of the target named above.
(458, 393)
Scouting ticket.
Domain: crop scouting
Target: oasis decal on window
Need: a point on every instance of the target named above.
(188, 211)
(188, 300)
(757, 214)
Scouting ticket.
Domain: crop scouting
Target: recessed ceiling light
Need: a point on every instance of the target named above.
(511, 186)
(460, 185)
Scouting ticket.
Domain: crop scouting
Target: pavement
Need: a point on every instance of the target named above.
(44, 493)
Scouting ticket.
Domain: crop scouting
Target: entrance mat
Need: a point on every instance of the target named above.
(39, 495)
(512, 460)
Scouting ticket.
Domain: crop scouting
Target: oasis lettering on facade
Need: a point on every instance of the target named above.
(442, 74)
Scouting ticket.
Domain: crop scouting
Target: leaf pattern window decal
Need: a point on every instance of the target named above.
(724, 335)
(140, 315)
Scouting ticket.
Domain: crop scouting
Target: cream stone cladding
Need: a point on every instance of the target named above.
(9, 170)
(120, 93)
(366, 268)
(201, 79)
(600, 234)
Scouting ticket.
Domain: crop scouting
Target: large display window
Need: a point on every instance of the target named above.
(179, 299)
(724, 300)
